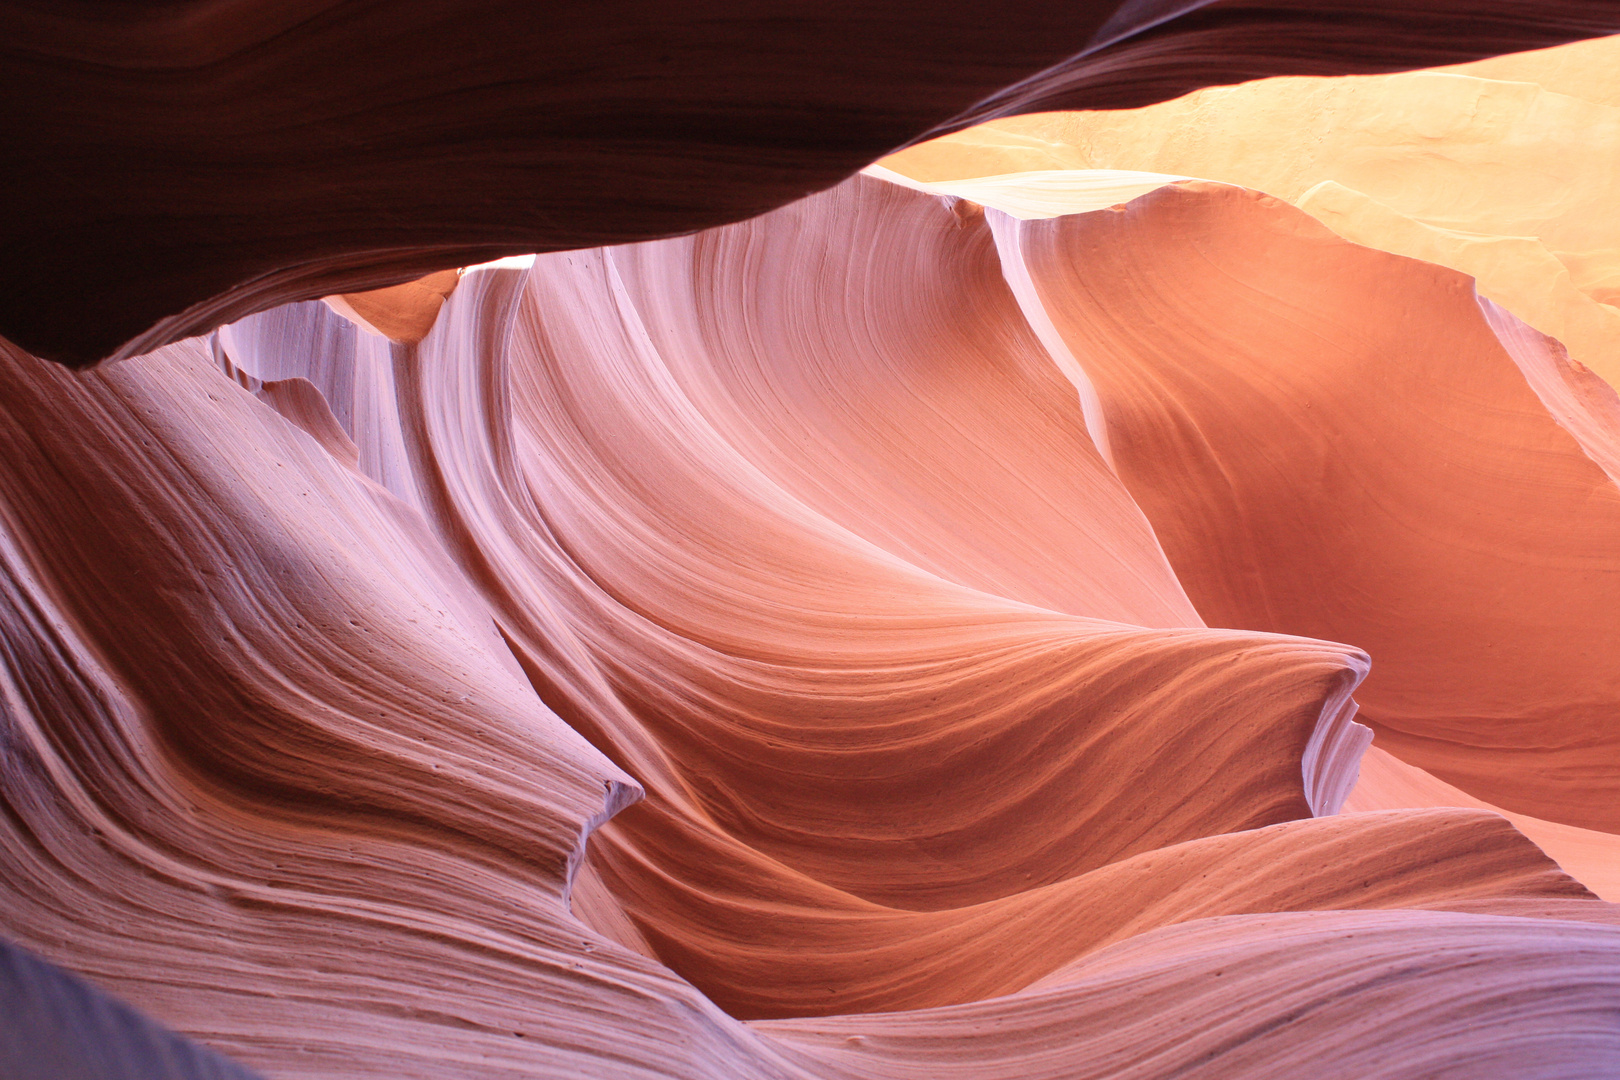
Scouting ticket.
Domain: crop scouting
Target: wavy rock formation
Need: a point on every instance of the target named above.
(829, 544)
(171, 167)
(1326, 976)
(756, 626)
(1233, 344)
(1388, 783)
(908, 633)
(1495, 168)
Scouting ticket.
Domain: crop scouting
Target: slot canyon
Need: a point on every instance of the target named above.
(781, 541)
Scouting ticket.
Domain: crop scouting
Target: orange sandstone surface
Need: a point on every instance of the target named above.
(1135, 615)
(1496, 168)
(712, 641)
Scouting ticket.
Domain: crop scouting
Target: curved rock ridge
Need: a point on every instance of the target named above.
(799, 523)
(1448, 993)
(1500, 169)
(1387, 783)
(829, 545)
(781, 652)
(189, 162)
(1334, 441)
(250, 711)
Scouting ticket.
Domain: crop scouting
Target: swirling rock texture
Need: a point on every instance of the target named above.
(1498, 169)
(887, 637)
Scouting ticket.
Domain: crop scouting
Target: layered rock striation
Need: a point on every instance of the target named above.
(934, 628)
(754, 626)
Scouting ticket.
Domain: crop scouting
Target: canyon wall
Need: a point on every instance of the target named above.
(1071, 619)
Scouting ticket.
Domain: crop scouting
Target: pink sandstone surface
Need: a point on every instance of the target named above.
(934, 628)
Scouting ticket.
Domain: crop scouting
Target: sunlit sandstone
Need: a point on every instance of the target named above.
(931, 629)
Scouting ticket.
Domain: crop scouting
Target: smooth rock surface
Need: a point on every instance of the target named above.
(909, 633)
